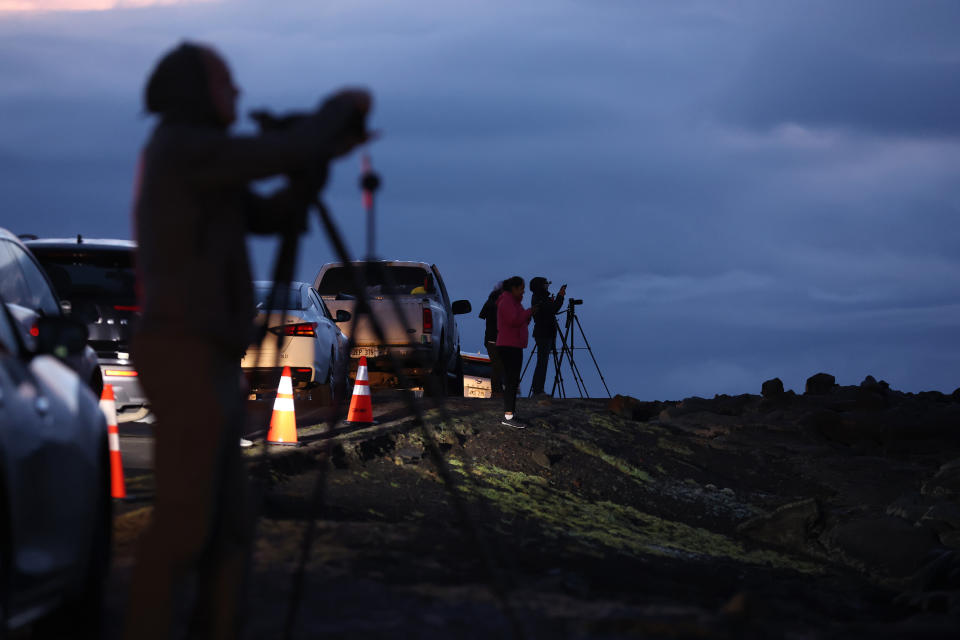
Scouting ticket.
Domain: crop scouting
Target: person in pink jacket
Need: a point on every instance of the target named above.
(512, 336)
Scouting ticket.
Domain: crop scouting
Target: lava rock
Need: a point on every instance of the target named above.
(541, 458)
(787, 526)
(772, 388)
(408, 455)
(946, 482)
(633, 409)
(942, 517)
(885, 543)
(820, 384)
(908, 507)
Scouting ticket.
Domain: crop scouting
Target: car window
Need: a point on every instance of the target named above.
(13, 284)
(294, 300)
(91, 276)
(40, 295)
(405, 281)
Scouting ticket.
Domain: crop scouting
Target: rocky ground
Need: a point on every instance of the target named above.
(832, 513)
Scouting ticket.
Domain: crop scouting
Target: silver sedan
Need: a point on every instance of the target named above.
(55, 506)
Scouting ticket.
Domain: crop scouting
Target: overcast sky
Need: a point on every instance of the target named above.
(737, 190)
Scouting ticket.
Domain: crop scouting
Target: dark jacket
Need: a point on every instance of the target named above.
(544, 320)
(192, 211)
(489, 313)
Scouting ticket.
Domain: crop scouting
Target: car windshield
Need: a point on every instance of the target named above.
(294, 300)
(404, 280)
(102, 276)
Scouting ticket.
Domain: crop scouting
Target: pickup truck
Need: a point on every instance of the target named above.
(426, 345)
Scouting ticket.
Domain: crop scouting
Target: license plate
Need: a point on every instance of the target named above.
(368, 352)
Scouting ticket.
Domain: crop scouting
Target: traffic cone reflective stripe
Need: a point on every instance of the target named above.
(361, 406)
(108, 405)
(283, 422)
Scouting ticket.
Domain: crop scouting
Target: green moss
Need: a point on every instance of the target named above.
(619, 464)
(606, 421)
(589, 526)
(675, 447)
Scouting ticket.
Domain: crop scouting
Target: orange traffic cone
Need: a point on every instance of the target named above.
(283, 422)
(108, 405)
(361, 407)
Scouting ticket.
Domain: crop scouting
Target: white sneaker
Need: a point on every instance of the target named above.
(244, 443)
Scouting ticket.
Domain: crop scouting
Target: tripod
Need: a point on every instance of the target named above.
(567, 349)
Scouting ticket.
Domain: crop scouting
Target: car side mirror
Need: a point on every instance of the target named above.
(66, 307)
(342, 315)
(461, 306)
(60, 337)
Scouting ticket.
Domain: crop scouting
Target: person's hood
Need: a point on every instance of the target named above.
(539, 284)
(178, 90)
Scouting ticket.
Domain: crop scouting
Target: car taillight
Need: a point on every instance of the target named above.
(126, 307)
(303, 329)
(427, 321)
(35, 330)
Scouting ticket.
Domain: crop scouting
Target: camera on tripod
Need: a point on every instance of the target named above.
(575, 301)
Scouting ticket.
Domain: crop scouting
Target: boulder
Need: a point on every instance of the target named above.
(881, 544)
(942, 517)
(950, 539)
(820, 384)
(633, 409)
(946, 482)
(772, 388)
(408, 455)
(908, 507)
(541, 458)
(787, 526)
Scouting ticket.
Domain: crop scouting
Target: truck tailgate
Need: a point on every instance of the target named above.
(394, 327)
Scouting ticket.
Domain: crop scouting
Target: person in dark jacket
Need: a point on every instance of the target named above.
(489, 314)
(544, 328)
(192, 212)
(512, 338)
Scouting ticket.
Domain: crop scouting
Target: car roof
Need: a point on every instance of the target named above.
(388, 263)
(80, 241)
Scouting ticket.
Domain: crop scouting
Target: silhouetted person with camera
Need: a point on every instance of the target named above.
(193, 210)
(544, 328)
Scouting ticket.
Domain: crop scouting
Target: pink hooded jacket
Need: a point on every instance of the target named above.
(512, 321)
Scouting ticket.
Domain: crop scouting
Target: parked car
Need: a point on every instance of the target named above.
(477, 372)
(55, 505)
(30, 297)
(311, 344)
(95, 280)
(427, 344)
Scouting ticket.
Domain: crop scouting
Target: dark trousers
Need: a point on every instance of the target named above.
(496, 368)
(545, 347)
(201, 523)
(512, 359)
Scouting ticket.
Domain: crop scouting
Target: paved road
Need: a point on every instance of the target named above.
(136, 438)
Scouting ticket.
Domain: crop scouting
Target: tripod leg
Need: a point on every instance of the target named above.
(590, 351)
(525, 367)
